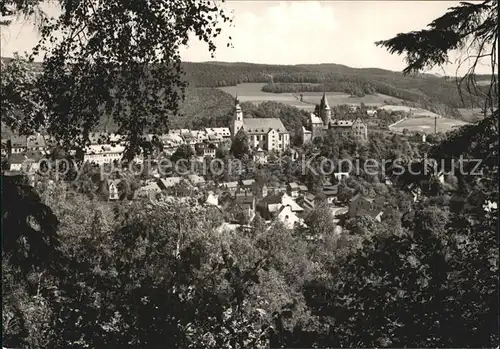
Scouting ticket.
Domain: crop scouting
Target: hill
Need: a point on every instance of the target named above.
(202, 107)
(436, 94)
(426, 90)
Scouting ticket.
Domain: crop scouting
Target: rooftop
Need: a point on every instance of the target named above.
(170, 181)
(248, 182)
(150, 187)
(341, 123)
(218, 130)
(35, 141)
(17, 159)
(244, 198)
(230, 184)
(195, 179)
(19, 141)
(263, 125)
(315, 119)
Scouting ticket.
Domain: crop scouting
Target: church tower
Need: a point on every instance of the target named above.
(237, 121)
(325, 112)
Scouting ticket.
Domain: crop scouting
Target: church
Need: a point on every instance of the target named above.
(318, 125)
(268, 134)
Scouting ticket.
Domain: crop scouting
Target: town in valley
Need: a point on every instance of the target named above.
(249, 174)
(268, 140)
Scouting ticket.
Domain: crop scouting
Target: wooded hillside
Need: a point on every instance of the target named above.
(427, 89)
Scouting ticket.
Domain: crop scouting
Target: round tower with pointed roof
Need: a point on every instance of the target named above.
(325, 112)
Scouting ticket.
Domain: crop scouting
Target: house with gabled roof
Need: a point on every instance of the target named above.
(230, 186)
(246, 200)
(190, 138)
(271, 204)
(247, 184)
(219, 133)
(260, 156)
(362, 205)
(330, 192)
(340, 176)
(307, 201)
(288, 217)
(169, 182)
(18, 144)
(171, 141)
(147, 191)
(293, 189)
(113, 189)
(28, 162)
(210, 150)
(179, 131)
(240, 207)
(36, 143)
(16, 162)
(276, 189)
(211, 199)
(196, 180)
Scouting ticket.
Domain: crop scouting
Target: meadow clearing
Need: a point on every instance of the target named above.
(417, 112)
(251, 92)
(426, 124)
(422, 120)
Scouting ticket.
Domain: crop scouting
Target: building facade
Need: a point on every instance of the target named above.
(319, 123)
(103, 154)
(268, 134)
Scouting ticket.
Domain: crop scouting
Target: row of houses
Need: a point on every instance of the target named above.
(106, 148)
(204, 141)
(242, 200)
(25, 144)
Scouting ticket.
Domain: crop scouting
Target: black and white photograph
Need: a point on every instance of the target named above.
(249, 174)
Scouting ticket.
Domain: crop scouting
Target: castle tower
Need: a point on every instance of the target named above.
(237, 121)
(325, 112)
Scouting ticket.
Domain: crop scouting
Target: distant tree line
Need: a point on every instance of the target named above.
(429, 91)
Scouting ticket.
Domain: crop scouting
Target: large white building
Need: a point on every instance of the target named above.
(265, 133)
(103, 154)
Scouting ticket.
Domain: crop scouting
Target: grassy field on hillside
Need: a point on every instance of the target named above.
(251, 92)
(336, 98)
(417, 112)
(426, 125)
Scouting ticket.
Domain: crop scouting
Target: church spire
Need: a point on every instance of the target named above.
(237, 101)
(237, 121)
(324, 109)
(324, 102)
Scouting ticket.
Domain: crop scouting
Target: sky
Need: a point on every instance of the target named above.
(298, 32)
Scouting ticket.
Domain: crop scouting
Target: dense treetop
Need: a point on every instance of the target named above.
(82, 273)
